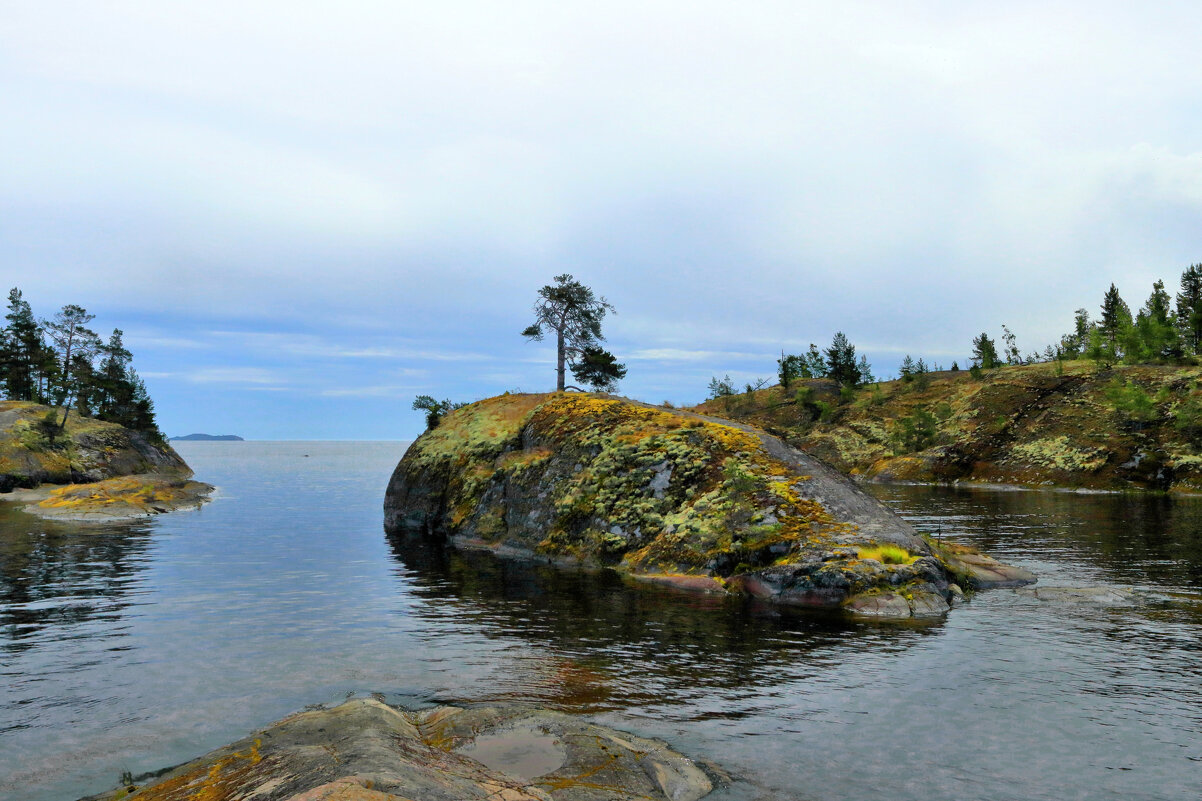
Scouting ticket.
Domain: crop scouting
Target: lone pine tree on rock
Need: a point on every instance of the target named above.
(574, 313)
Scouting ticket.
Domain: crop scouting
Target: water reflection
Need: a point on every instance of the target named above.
(609, 643)
(1078, 538)
(56, 579)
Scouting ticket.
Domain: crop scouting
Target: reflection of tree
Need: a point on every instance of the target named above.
(1134, 539)
(54, 577)
(605, 642)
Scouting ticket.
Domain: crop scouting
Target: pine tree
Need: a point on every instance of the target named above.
(841, 361)
(597, 369)
(1115, 316)
(1189, 308)
(865, 369)
(573, 313)
(75, 345)
(1157, 337)
(815, 363)
(984, 352)
(24, 352)
(790, 367)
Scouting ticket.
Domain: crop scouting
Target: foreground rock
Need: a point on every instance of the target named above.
(666, 496)
(90, 469)
(365, 750)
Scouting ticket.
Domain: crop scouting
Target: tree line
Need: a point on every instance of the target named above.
(61, 362)
(1165, 330)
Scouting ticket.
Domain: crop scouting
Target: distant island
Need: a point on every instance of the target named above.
(209, 438)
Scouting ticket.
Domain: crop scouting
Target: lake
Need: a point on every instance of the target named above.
(130, 647)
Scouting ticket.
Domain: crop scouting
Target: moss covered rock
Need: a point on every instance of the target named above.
(104, 471)
(1068, 425)
(661, 495)
(35, 451)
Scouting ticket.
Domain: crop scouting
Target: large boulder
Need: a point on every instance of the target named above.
(662, 495)
(366, 750)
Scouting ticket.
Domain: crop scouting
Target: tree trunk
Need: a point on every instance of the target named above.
(561, 358)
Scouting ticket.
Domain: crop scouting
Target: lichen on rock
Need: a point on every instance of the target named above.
(663, 495)
(105, 471)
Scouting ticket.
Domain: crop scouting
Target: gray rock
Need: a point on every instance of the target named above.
(1087, 596)
(365, 750)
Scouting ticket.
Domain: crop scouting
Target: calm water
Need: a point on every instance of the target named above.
(135, 646)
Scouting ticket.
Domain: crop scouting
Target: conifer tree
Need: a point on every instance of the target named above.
(841, 361)
(573, 313)
(24, 352)
(1189, 308)
(1158, 338)
(984, 352)
(1116, 316)
(75, 345)
(866, 376)
(815, 364)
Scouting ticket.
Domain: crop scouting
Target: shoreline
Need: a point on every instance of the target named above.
(117, 499)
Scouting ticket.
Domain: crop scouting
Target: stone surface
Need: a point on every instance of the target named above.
(1087, 596)
(982, 572)
(90, 470)
(365, 750)
(673, 497)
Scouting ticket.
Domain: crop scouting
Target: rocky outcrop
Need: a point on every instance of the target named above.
(666, 496)
(107, 471)
(366, 750)
(1069, 425)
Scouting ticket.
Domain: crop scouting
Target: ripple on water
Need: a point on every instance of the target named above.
(131, 647)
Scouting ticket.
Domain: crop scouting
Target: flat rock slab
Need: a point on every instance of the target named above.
(985, 572)
(1088, 596)
(366, 750)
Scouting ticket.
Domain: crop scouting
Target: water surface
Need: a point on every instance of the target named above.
(135, 646)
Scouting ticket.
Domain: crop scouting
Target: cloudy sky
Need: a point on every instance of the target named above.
(305, 214)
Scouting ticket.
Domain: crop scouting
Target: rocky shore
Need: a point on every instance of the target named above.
(89, 470)
(662, 495)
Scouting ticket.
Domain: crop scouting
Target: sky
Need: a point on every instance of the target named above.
(303, 214)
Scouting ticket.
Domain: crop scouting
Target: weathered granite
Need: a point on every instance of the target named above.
(366, 750)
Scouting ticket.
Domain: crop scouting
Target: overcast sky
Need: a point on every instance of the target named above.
(303, 215)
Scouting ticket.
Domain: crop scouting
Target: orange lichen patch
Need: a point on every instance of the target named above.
(134, 491)
(223, 780)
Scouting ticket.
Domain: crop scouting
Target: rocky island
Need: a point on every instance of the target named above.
(88, 469)
(675, 498)
(208, 438)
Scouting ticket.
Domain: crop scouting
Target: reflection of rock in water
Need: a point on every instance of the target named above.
(56, 575)
(365, 750)
(606, 643)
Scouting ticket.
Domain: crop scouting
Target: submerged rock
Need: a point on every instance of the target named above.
(662, 495)
(1089, 596)
(366, 750)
